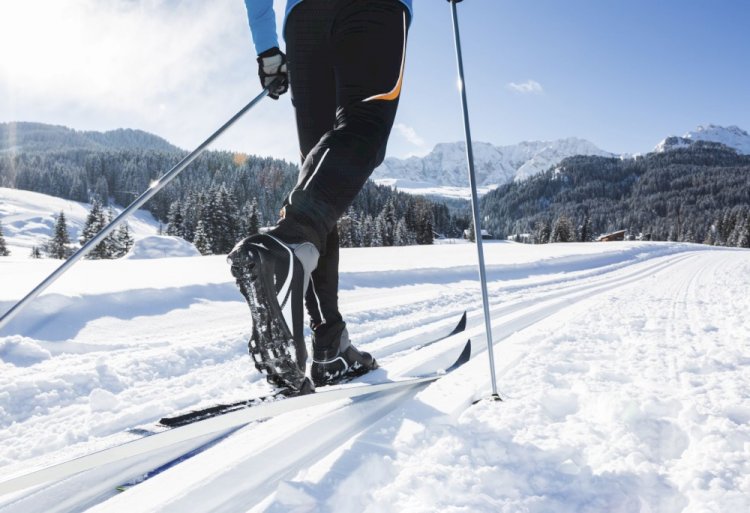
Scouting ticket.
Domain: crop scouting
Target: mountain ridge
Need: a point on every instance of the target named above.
(731, 136)
(28, 136)
(495, 165)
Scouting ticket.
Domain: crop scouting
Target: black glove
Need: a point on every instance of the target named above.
(272, 72)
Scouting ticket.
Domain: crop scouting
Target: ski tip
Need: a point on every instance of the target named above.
(463, 358)
(460, 326)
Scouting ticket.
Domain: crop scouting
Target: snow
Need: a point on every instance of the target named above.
(432, 189)
(623, 367)
(731, 136)
(443, 171)
(161, 246)
(29, 219)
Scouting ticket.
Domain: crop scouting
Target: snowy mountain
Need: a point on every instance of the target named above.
(29, 218)
(731, 136)
(443, 170)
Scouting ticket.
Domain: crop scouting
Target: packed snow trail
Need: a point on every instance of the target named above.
(115, 383)
(632, 401)
(619, 422)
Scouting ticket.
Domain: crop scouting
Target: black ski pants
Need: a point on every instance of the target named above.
(346, 63)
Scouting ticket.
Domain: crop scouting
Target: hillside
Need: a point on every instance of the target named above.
(731, 136)
(675, 195)
(78, 166)
(29, 218)
(35, 137)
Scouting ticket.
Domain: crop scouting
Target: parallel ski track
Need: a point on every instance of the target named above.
(329, 429)
(226, 347)
(508, 317)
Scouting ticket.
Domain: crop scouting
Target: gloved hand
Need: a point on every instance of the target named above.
(272, 72)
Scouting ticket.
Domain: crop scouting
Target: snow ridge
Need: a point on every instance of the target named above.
(445, 165)
(731, 136)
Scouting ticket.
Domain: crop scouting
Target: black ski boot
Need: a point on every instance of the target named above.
(273, 277)
(335, 359)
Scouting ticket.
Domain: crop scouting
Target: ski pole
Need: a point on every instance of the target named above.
(155, 187)
(474, 200)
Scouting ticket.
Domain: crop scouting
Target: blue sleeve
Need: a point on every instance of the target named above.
(262, 24)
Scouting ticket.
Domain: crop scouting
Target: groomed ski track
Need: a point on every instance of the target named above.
(387, 317)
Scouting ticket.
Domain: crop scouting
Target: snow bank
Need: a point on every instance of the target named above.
(21, 351)
(161, 246)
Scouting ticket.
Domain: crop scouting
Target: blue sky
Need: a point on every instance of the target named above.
(623, 74)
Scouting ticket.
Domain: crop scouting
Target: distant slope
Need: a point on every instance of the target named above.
(29, 218)
(675, 194)
(443, 170)
(731, 136)
(32, 137)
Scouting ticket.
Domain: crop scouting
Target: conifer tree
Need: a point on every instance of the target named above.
(424, 226)
(253, 219)
(710, 236)
(401, 235)
(123, 241)
(367, 232)
(111, 241)
(377, 231)
(202, 241)
(562, 230)
(585, 231)
(175, 220)
(727, 225)
(410, 216)
(470, 235)
(355, 232)
(59, 245)
(344, 227)
(388, 222)
(225, 228)
(743, 240)
(101, 191)
(542, 232)
(718, 230)
(95, 221)
(3, 248)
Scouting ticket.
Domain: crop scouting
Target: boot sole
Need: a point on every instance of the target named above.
(271, 339)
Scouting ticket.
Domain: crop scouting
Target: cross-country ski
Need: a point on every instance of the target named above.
(220, 423)
(220, 409)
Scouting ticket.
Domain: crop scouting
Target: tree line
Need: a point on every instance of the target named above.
(213, 221)
(221, 196)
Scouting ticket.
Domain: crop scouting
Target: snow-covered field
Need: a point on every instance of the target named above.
(431, 189)
(29, 219)
(624, 368)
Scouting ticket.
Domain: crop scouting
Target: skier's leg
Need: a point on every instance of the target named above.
(322, 299)
(272, 274)
(367, 44)
(313, 91)
(346, 156)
